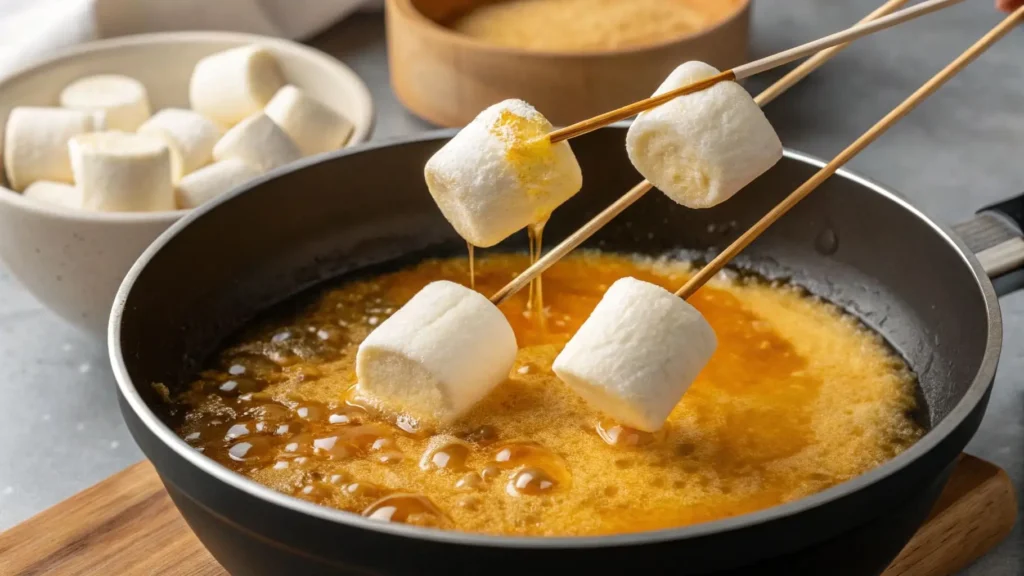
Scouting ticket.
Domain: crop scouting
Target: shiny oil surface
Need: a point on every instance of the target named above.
(798, 397)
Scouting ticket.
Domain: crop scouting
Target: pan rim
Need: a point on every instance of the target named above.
(983, 380)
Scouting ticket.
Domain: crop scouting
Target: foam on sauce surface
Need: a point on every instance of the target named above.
(798, 397)
(568, 25)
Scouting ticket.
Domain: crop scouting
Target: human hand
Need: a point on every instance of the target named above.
(1009, 5)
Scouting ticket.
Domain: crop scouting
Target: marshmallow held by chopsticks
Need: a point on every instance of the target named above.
(702, 148)
(751, 68)
(637, 353)
(438, 355)
(614, 389)
(500, 173)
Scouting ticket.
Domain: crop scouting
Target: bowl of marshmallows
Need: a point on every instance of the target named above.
(107, 144)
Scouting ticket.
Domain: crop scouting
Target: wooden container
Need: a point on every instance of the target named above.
(447, 78)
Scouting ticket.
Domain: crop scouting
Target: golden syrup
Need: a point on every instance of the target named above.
(535, 307)
(470, 249)
(797, 398)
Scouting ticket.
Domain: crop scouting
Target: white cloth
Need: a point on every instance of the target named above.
(31, 29)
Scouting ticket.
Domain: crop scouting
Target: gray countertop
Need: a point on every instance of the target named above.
(60, 430)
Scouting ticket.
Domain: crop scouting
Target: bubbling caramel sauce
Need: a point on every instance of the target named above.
(798, 397)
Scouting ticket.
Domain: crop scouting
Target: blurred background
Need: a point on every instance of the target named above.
(60, 429)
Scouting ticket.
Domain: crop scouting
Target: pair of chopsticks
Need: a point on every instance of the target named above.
(800, 193)
(865, 27)
(635, 193)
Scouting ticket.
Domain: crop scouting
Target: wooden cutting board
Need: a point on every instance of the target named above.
(128, 525)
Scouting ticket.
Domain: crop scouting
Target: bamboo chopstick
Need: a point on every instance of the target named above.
(752, 68)
(638, 191)
(868, 137)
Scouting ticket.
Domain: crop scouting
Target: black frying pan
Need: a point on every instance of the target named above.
(851, 242)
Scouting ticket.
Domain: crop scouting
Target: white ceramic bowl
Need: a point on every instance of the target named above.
(73, 261)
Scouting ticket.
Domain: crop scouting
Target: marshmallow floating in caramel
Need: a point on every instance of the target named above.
(438, 355)
(637, 353)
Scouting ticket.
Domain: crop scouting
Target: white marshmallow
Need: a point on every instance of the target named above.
(702, 148)
(637, 353)
(122, 172)
(259, 142)
(438, 355)
(313, 126)
(190, 136)
(36, 143)
(500, 173)
(123, 100)
(211, 181)
(57, 193)
(231, 85)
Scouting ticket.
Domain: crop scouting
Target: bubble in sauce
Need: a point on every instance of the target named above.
(252, 450)
(445, 453)
(406, 508)
(615, 434)
(531, 481)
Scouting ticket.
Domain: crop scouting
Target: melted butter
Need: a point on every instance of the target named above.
(798, 397)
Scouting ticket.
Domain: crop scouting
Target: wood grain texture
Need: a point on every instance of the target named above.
(447, 78)
(976, 511)
(127, 525)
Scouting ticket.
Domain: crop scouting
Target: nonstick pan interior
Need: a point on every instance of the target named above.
(851, 246)
(849, 242)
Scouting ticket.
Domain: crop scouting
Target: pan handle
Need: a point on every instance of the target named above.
(996, 236)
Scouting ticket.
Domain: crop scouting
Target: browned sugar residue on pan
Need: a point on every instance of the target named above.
(797, 398)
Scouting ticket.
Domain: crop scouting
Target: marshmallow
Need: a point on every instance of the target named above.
(637, 353)
(702, 148)
(259, 142)
(211, 181)
(231, 85)
(122, 100)
(500, 173)
(122, 172)
(313, 126)
(36, 143)
(190, 136)
(57, 193)
(438, 355)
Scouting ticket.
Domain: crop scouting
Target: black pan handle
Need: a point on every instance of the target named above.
(996, 236)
